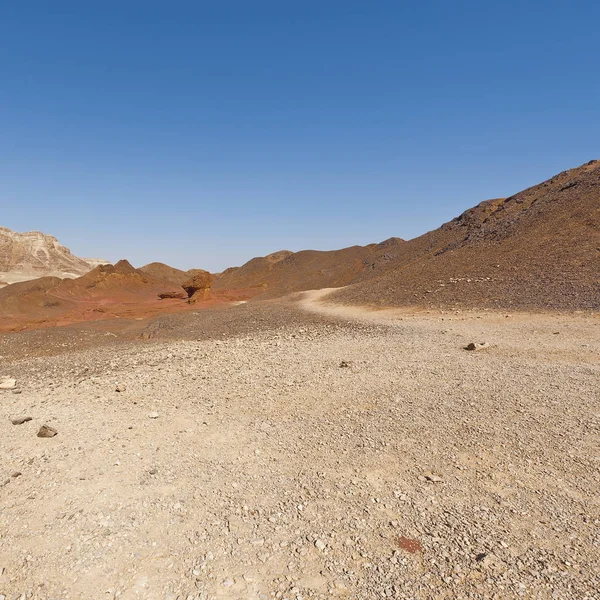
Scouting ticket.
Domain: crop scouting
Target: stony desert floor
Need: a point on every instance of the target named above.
(301, 452)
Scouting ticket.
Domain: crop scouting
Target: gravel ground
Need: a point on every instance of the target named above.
(340, 454)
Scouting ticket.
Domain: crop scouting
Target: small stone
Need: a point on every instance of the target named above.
(320, 545)
(20, 420)
(153, 471)
(120, 388)
(433, 478)
(46, 431)
(153, 415)
(344, 364)
(227, 582)
(476, 346)
(16, 474)
(7, 383)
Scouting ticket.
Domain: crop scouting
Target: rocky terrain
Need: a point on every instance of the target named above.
(303, 451)
(106, 292)
(25, 256)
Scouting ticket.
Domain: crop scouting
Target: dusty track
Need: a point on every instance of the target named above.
(272, 470)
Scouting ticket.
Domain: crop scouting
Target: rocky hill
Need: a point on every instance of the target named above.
(539, 248)
(30, 255)
(107, 291)
(175, 276)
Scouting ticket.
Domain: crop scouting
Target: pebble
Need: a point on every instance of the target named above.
(20, 420)
(320, 545)
(153, 415)
(477, 346)
(227, 582)
(46, 431)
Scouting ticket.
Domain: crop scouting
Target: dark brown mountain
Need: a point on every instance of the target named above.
(537, 249)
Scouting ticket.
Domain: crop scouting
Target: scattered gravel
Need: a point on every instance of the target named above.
(419, 471)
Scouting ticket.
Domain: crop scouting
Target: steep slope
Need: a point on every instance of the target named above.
(537, 249)
(33, 254)
(284, 271)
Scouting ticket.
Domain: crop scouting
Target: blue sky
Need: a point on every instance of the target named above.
(204, 133)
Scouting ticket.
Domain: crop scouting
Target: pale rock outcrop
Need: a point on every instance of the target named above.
(25, 256)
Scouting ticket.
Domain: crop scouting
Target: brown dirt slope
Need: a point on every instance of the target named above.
(537, 249)
(284, 271)
(106, 291)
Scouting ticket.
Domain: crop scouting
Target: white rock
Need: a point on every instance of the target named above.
(153, 415)
(7, 383)
(320, 545)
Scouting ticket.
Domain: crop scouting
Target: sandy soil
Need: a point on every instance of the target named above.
(17, 277)
(267, 452)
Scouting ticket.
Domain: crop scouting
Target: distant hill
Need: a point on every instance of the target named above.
(539, 248)
(175, 276)
(284, 271)
(25, 256)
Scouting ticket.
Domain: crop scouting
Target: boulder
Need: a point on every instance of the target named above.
(198, 286)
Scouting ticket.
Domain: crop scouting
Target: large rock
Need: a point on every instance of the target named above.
(198, 286)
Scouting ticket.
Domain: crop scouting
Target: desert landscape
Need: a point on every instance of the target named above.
(407, 419)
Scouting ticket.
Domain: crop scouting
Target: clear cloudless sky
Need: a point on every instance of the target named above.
(203, 133)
